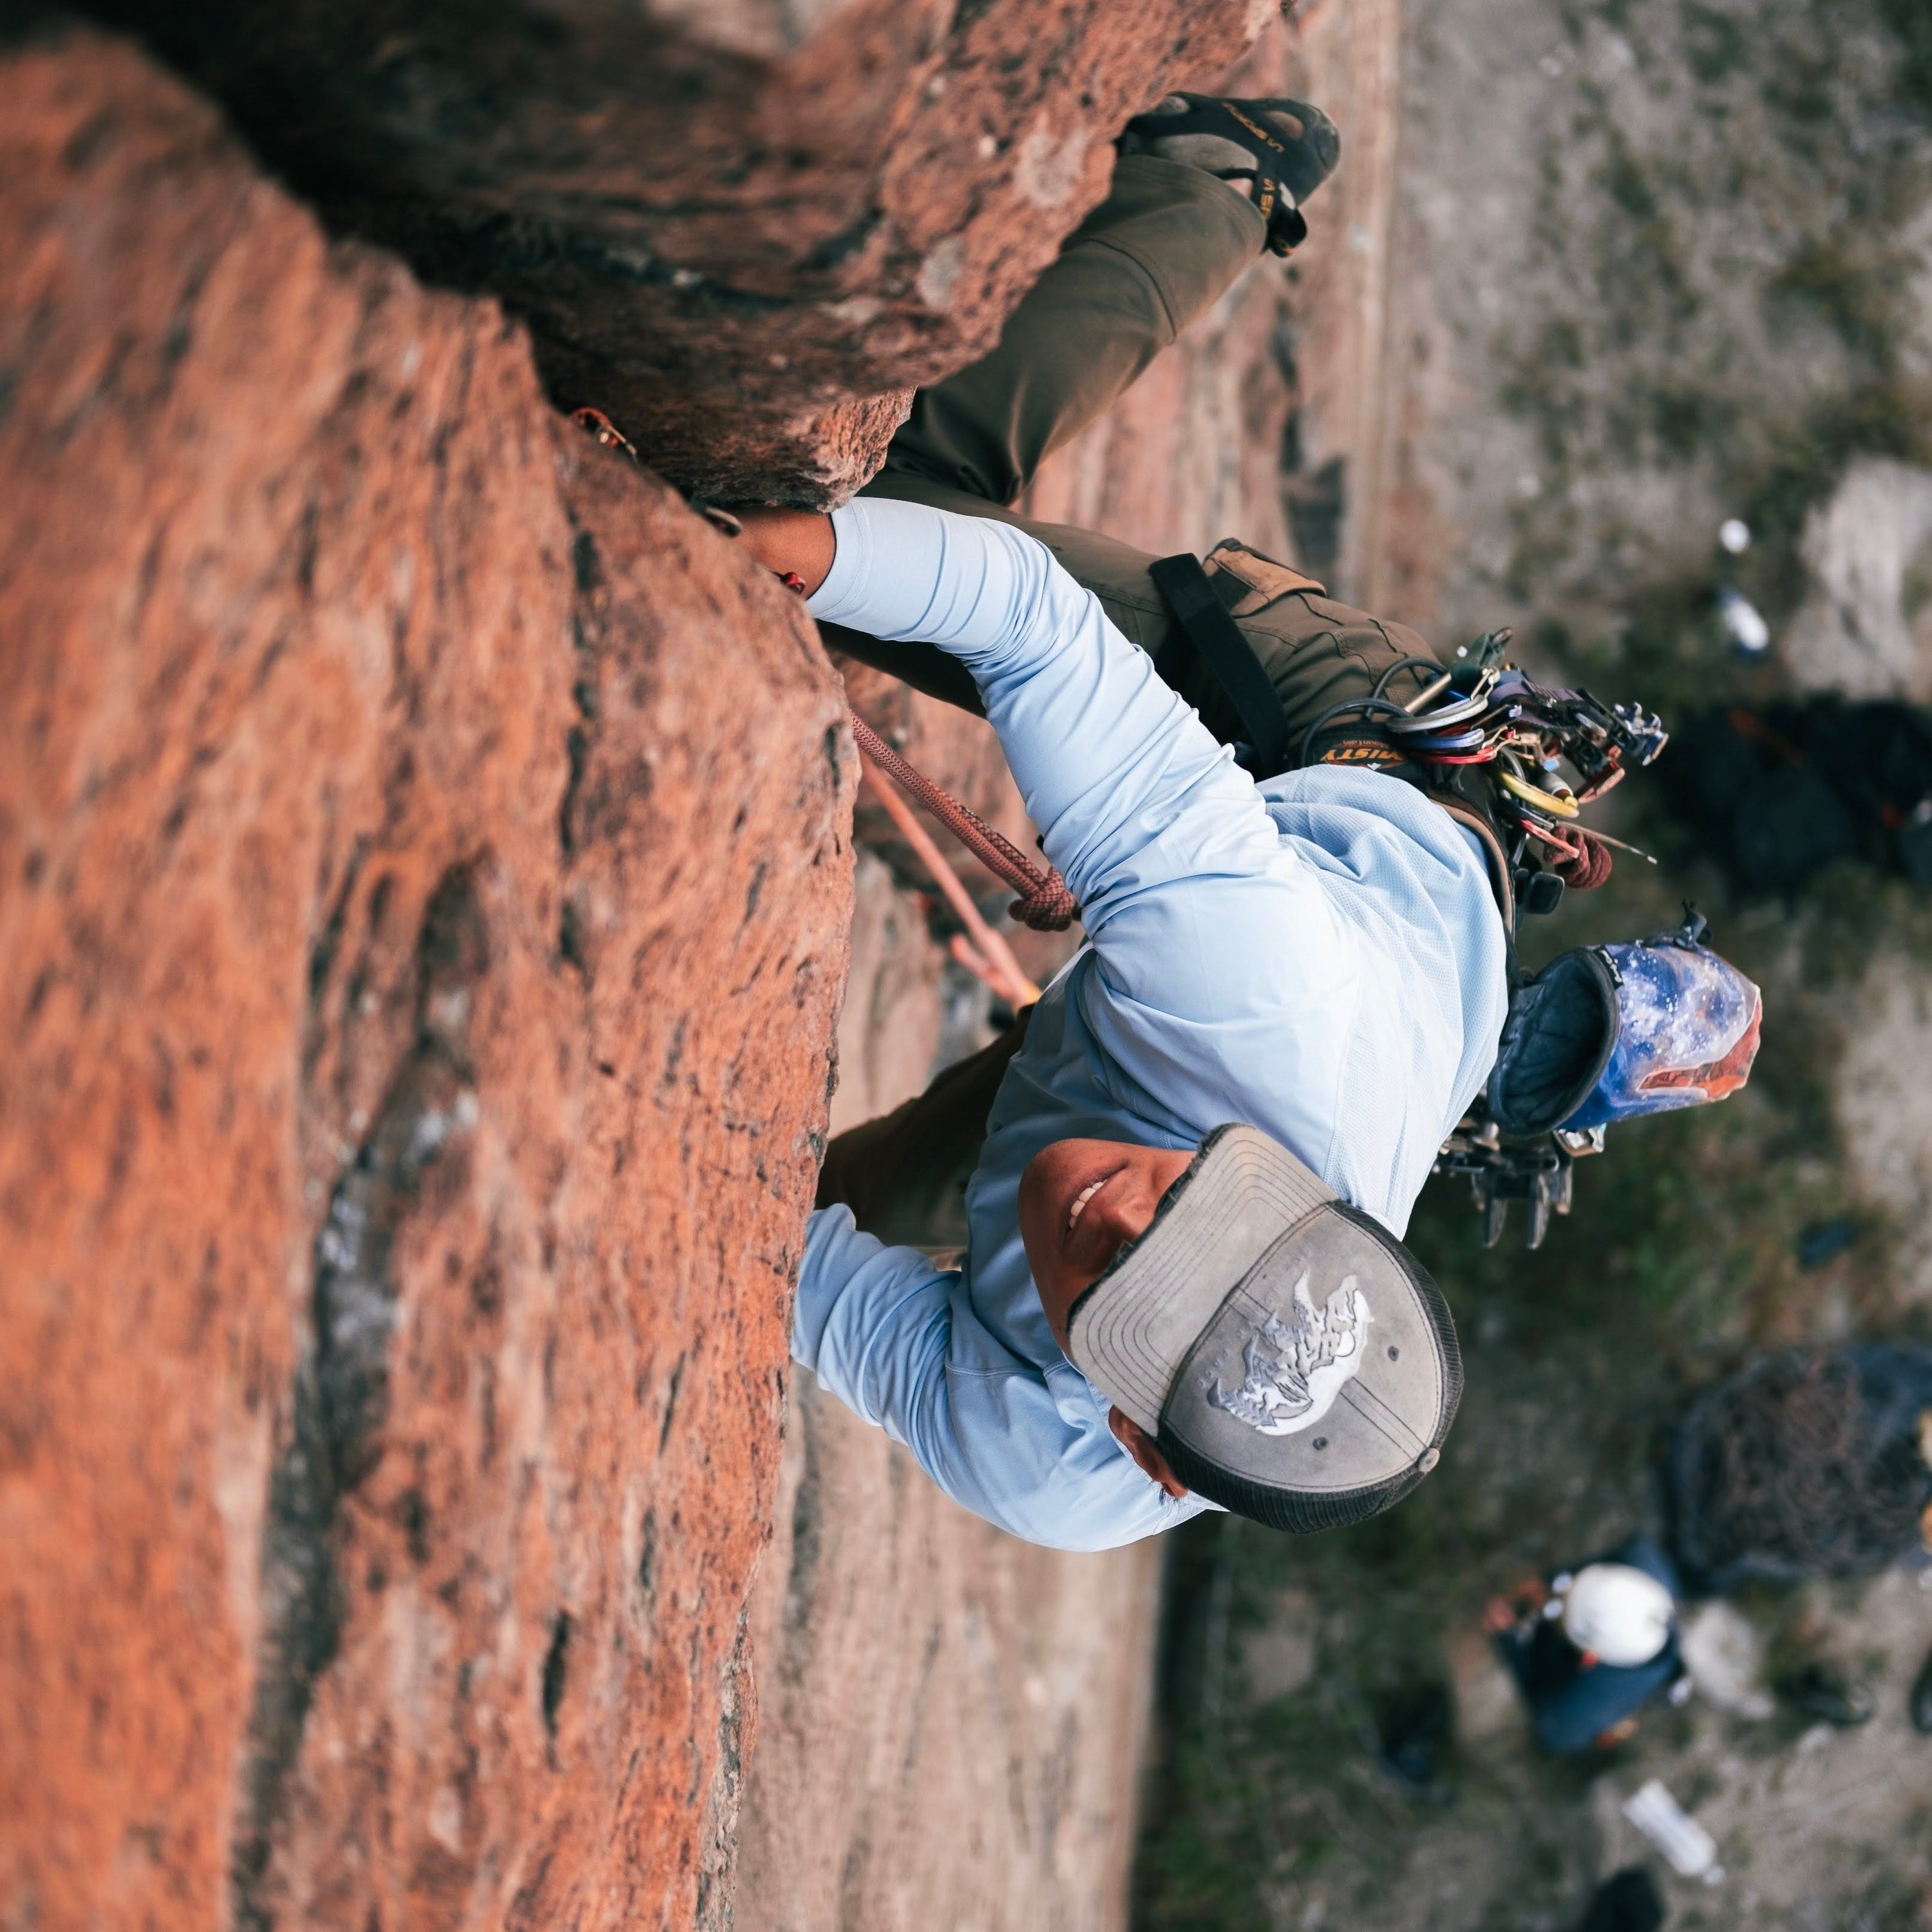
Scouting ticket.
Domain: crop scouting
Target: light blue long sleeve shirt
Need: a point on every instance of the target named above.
(1318, 956)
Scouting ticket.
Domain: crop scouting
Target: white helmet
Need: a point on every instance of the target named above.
(1618, 1613)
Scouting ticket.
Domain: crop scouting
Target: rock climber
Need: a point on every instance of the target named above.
(1184, 1281)
(1589, 1648)
(1184, 1285)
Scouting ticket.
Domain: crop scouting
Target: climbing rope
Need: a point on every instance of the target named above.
(979, 948)
(1044, 903)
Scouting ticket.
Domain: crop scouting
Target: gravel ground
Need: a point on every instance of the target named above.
(1652, 264)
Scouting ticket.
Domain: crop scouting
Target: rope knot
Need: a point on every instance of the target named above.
(1045, 903)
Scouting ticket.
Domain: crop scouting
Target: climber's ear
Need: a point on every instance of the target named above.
(1140, 1445)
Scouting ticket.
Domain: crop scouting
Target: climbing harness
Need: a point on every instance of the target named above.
(1601, 1035)
(1479, 737)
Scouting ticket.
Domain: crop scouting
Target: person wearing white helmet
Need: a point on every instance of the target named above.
(1617, 1613)
(1589, 1648)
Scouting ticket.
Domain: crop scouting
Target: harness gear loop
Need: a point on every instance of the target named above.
(1045, 903)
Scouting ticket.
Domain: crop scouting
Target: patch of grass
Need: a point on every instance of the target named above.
(1798, 88)
(1624, 180)
(1911, 20)
(1826, 272)
(1686, 417)
(1714, 42)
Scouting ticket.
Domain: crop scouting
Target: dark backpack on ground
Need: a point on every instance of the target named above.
(1776, 794)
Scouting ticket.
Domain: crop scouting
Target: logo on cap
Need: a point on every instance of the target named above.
(1295, 1369)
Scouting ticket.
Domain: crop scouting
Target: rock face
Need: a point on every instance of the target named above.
(745, 229)
(424, 884)
(952, 1722)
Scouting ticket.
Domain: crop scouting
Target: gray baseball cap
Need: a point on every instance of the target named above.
(1287, 1354)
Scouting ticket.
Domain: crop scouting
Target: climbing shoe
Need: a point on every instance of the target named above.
(1278, 151)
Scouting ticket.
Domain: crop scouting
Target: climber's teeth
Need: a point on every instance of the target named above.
(1085, 1194)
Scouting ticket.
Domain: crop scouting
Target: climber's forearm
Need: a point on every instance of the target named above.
(1128, 788)
(896, 1340)
(791, 542)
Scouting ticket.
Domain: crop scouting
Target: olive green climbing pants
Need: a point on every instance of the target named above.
(903, 1175)
(1167, 243)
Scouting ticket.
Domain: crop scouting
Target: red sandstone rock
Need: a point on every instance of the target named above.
(746, 229)
(423, 876)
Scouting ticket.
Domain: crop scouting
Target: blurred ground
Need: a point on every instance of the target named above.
(1654, 263)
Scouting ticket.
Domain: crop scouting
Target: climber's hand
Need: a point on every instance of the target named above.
(791, 542)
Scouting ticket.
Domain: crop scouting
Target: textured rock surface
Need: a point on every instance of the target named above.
(951, 1722)
(744, 230)
(423, 895)
(960, 1718)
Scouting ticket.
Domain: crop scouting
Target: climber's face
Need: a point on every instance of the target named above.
(1080, 1203)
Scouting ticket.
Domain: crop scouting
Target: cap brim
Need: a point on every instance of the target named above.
(1130, 1332)
(1289, 1356)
